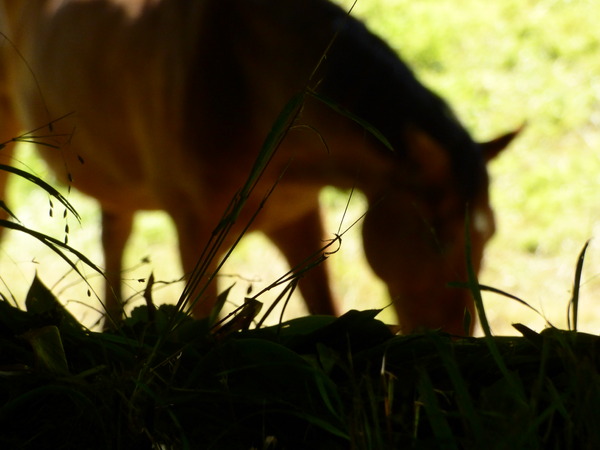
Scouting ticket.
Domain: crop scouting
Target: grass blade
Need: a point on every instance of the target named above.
(42, 184)
(574, 302)
(473, 283)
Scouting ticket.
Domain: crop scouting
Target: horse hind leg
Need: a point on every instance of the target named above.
(116, 228)
(9, 129)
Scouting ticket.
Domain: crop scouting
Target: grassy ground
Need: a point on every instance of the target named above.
(499, 64)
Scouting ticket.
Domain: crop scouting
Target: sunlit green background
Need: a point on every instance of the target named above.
(500, 64)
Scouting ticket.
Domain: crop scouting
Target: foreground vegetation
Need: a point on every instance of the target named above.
(165, 381)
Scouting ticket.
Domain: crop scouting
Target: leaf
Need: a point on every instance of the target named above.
(48, 349)
(41, 301)
(574, 303)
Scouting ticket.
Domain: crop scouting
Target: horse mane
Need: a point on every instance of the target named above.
(366, 77)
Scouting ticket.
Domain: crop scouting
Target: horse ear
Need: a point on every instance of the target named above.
(492, 148)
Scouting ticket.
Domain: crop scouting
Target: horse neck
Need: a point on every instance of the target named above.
(365, 76)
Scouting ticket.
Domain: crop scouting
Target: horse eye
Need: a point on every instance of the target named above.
(482, 223)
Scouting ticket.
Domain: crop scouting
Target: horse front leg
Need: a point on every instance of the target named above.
(297, 241)
(199, 265)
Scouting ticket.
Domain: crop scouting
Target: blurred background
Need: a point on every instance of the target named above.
(499, 64)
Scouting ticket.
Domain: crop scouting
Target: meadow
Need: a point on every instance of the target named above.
(499, 64)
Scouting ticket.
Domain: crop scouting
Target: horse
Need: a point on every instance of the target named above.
(172, 101)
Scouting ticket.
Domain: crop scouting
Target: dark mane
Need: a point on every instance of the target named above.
(365, 76)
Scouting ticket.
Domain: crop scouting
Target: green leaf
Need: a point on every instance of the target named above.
(41, 301)
(48, 349)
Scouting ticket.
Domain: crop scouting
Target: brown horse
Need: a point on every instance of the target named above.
(173, 99)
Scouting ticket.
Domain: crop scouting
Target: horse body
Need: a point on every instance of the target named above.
(173, 100)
